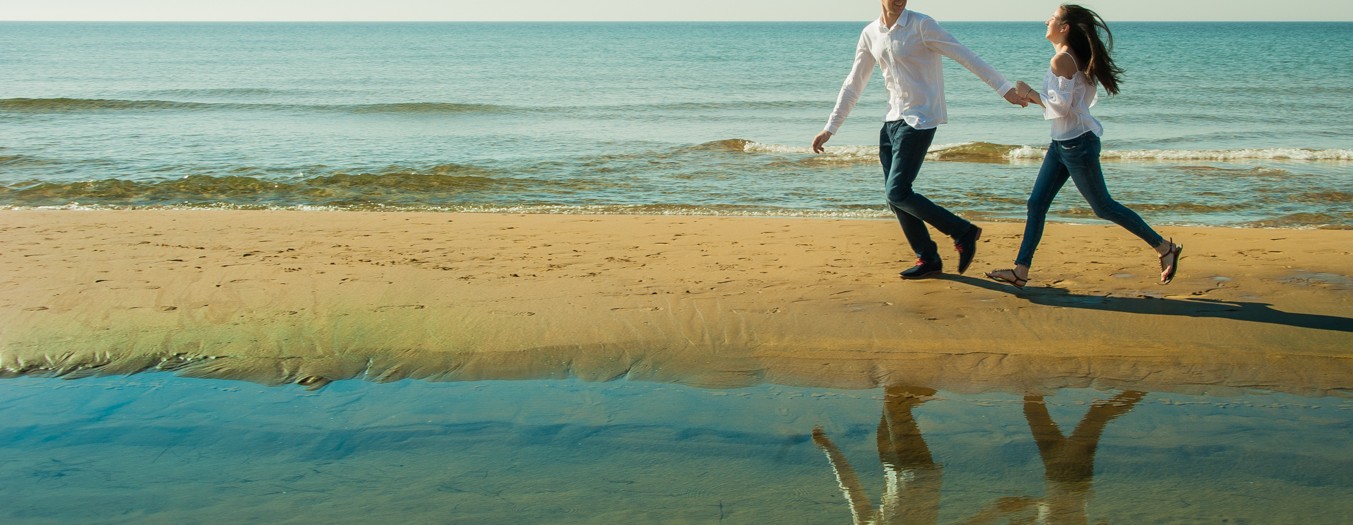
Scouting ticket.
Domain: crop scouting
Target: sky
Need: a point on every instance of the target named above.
(645, 10)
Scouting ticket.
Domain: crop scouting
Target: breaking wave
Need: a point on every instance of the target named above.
(987, 152)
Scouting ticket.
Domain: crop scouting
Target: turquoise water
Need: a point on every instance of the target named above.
(1238, 124)
(156, 448)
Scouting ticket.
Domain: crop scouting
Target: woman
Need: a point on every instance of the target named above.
(1081, 62)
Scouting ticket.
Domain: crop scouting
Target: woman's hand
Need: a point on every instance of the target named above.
(1027, 93)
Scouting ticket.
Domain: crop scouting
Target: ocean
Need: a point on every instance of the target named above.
(1221, 124)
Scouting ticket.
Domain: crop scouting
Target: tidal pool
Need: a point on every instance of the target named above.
(159, 448)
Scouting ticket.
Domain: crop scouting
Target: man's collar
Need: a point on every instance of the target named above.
(901, 20)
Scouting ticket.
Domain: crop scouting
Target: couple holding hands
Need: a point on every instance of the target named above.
(907, 47)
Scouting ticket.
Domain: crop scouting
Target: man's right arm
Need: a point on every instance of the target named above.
(860, 71)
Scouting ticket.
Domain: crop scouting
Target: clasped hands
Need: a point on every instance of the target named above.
(1023, 95)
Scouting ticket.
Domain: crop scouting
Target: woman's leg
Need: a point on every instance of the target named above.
(1082, 159)
(1051, 176)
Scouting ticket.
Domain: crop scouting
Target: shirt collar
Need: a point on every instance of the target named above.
(901, 21)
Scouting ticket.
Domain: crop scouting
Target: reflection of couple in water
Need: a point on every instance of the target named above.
(912, 478)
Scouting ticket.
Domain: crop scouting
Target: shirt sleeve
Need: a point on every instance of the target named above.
(939, 40)
(860, 71)
(1056, 94)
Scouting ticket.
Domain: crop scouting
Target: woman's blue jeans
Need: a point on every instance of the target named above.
(1078, 160)
(902, 149)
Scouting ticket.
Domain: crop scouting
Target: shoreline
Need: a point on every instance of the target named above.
(280, 297)
(1281, 223)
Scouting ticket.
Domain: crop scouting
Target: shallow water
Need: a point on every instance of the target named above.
(158, 448)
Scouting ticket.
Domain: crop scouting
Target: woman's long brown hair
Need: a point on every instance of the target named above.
(1090, 48)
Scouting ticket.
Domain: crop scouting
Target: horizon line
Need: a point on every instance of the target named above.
(406, 21)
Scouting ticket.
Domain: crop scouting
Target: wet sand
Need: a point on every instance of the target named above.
(311, 297)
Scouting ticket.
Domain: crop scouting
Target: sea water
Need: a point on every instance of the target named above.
(1233, 124)
(156, 448)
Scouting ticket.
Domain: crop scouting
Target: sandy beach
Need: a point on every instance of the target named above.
(311, 297)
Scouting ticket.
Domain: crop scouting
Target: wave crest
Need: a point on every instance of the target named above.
(394, 186)
(973, 152)
(734, 145)
(987, 152)
(424, 107)
(1289, 154)
(63, 105)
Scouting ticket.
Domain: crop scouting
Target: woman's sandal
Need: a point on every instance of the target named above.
(1168, 272)
(1013, 279)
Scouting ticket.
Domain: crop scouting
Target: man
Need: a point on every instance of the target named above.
(907, 47)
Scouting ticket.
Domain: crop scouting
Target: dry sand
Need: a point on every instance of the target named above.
(309, 297)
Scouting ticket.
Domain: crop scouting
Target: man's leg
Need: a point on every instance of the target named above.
(908, 149)
(898, 145)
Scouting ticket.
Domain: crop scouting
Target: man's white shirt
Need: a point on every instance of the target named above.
(909, 55)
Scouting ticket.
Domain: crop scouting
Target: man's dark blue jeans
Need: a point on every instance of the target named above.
(902, 149)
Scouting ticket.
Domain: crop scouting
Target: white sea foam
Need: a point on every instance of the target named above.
(1010, 152)
(1290, 154)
